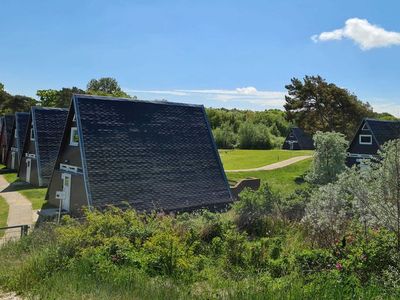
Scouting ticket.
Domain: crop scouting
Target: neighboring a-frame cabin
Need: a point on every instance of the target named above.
(44, 132)
(6, 128)
(153, 155)
(369, 138)
(298, 139)
(14, 151)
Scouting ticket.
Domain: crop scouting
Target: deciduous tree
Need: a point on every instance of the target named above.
(106, 86)
(14, 103)
(58, 98)
(329, 157)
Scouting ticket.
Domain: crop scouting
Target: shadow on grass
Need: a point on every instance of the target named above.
(300, 179)
(5, 170)
(18, 185)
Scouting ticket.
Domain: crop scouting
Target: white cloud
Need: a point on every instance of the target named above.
(388, 106)
(243, 94)
(250, 90)
(363, 33)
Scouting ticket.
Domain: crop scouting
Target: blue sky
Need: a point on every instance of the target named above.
(217, 53)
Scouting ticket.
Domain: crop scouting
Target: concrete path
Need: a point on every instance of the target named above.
(20, 210)
(278, 165)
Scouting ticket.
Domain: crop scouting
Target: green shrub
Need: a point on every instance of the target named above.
(313, 261)
(251, 136)
(224, 137)
(253, 208)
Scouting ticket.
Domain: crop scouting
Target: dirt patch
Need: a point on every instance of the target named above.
(9, 296)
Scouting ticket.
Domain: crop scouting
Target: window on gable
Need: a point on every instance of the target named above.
(74, 118)
(32, 134)
(74, 138)
(365, 127)
(365, 139)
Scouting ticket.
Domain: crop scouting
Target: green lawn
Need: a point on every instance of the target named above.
(285, 180)
(3, 214)
(10, 177)
(244, 159)
(35, 195)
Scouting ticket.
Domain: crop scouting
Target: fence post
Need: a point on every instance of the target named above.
(24, 230)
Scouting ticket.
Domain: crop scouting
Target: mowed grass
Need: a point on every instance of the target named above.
(10, 177)
(245, 159)
(3, 214)
(285, 180)
(35, 195)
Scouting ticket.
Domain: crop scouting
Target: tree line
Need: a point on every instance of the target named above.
(311, 103)
(105, 86)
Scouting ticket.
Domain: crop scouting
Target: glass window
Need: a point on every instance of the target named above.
(74, 139)
(32, 134)
(365, 139)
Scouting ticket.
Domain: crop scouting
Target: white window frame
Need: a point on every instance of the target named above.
(365, 127)
(364, 135)
(68, 168)
(32, 135)
(71, 138)
(74, 118)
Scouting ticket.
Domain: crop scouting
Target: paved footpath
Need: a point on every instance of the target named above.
(278, 165)
(20, 210)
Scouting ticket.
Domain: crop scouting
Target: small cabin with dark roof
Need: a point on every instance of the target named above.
(6, 128)
(370, 137)
(14, 150)
(151, 155)
(42, 141)
(298, 139)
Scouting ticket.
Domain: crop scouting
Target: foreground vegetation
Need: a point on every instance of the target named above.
(121, 255)
(246, 159)
(3, 214)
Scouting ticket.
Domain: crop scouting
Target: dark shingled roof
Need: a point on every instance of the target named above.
(8, 123)
(48, 124)
(384, 131)
(155, 155)
(21, 124)
(304, 140)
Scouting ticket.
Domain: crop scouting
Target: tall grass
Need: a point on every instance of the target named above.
(3, 214)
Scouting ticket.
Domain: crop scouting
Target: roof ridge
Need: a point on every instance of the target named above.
(161, 102)
(48, 108)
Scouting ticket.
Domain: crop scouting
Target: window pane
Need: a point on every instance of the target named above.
(76, 137)
(366, 139)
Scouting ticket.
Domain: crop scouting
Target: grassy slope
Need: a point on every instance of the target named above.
(3, 214)
(35, 195)
(285, 180)
(243, 159)
(10, 177)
